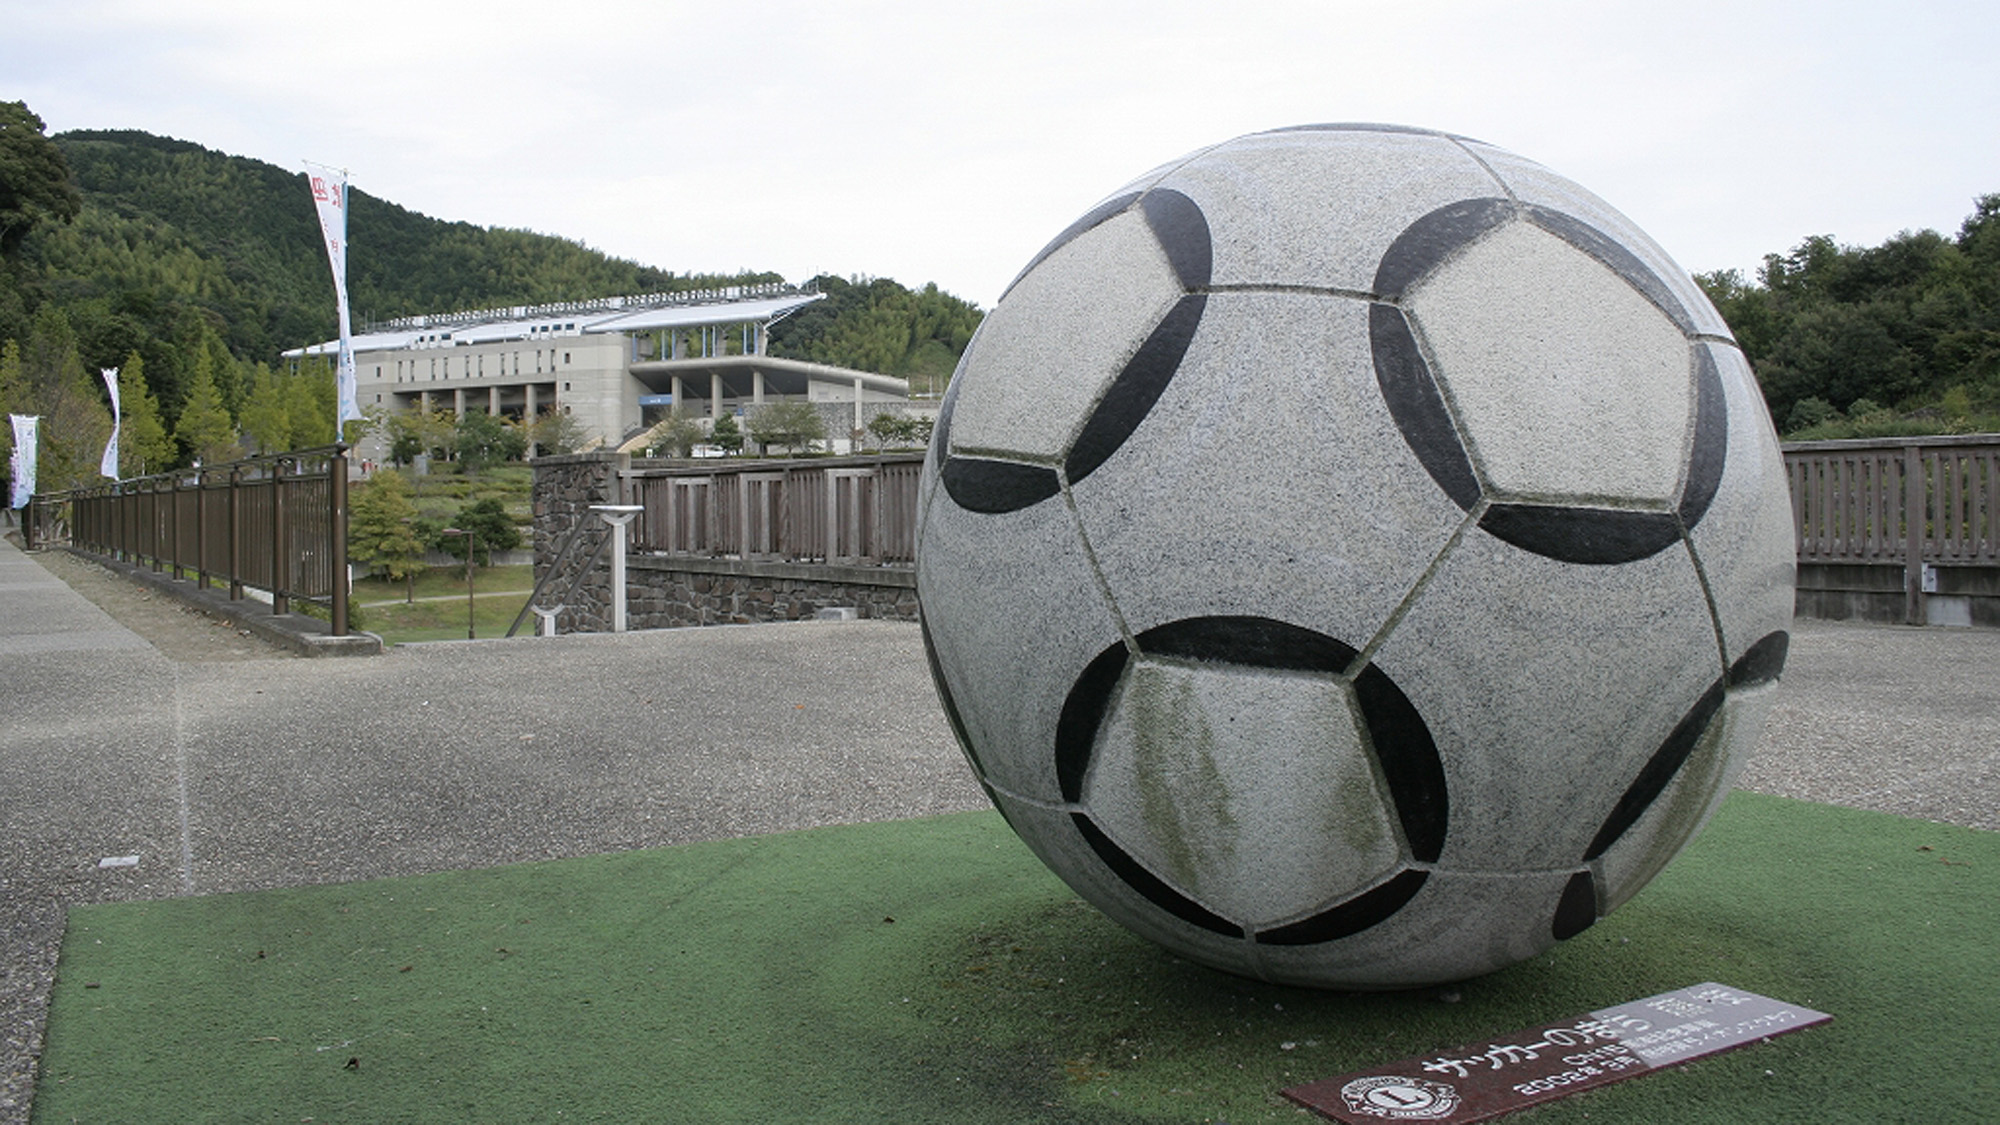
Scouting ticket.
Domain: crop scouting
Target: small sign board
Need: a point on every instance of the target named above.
(1481, 1081)
(656, 400)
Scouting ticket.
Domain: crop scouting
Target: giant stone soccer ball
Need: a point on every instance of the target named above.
(1355, 556)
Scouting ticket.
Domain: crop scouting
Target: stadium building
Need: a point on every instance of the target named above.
(616, 365)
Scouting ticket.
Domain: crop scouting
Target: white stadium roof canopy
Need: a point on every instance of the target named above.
(451, 331)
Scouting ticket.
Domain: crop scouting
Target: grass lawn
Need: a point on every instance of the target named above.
(442, 492)
(438, 613)
(932, 971)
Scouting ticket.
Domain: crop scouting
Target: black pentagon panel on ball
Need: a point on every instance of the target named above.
(1577, 911)
(1762, 663)
(1417, 406)
(1616, 258)
(1711, 440)
(1587, 536)
(1409, 759)
(1083, 713)
(1131, 396)
(1257, 642)
(1348, 918)
(1659, 770)
(1429, 241)
(997, 487)
(1149, 885)
(1182, 229)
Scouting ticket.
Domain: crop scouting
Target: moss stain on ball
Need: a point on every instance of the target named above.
(1356, 819)
(1183, 796)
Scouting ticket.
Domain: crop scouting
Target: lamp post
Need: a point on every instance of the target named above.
(410, 572)
(618, 516)
(471, 548)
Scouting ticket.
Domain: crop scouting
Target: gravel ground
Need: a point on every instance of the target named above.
(228, 764)
(1893, 718)
(179, 632)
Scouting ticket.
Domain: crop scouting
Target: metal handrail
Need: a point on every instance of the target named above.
(548, 575)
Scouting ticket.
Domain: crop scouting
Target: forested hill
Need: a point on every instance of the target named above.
(1899, 339)
(175, 249)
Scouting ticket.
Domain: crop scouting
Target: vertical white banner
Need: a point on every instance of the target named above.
(27, 439)
(109, 466)
(329, 192)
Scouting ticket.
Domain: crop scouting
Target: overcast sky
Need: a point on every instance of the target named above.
(946, 142)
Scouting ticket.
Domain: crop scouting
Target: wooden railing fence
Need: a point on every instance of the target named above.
(276, 523)
(1930, 499)
(1898, 501)
(857, 511)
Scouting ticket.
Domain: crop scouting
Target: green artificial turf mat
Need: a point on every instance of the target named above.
(933, 971)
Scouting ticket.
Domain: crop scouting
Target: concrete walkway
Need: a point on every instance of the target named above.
(260, 773)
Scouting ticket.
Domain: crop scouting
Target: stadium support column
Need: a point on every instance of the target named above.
(860, 423)
(714, 394)
(528, 418)
(493, 401)
(680, 396)
(458, 402)
(757, 388)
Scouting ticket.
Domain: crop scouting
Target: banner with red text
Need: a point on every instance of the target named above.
(329, 192)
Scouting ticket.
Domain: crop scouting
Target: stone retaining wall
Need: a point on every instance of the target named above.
(665, 593)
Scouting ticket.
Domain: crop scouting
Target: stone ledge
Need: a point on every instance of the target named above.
(297, 632)
(896, 576)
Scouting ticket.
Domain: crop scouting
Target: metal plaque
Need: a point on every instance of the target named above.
(1481, 1081)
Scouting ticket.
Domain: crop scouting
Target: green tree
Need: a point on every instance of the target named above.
(13, 400)
(410, 434)
(310, 403)
(76, 419)
(1900, 324)
(899, 430)
(205, 434)
(1809, 412)
(491, 527)
(553, 433)
(483, 441)
(143, 444)
(264, 418)
(726, 435)
(674, 436)
(34, 178)
(435, 433)
(382, 529)
(791, 423)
